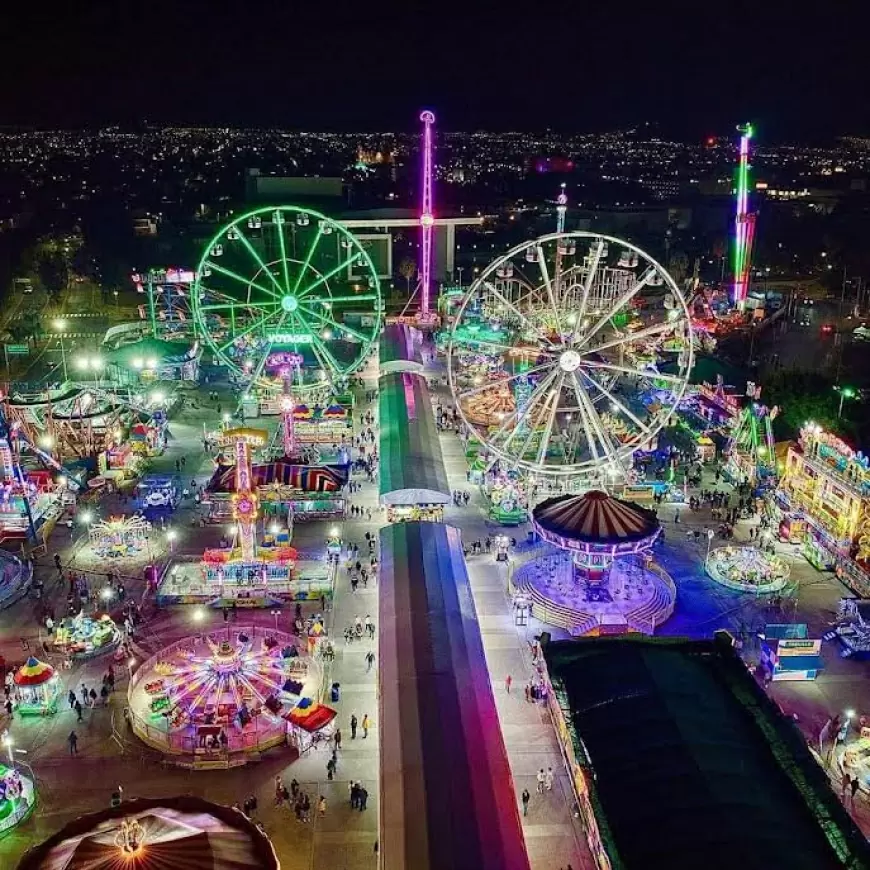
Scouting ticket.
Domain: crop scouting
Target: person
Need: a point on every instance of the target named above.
(294, 788)
(72, 699)
(845, 782)
(854, 785)
(363, 798)
(279, 791)
(73, 741)
(365, 725)
(541, 779)
(354, 794)
(330, 769)
(548, 779)
(321, 806)
(78, 709)
(8, 706)
(337, 738)
(526, 798)
(507, 683)
(353, 724)
(370, 660)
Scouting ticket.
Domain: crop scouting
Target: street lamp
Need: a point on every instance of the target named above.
(171, 536)
(845, 393)
(60, 328)
(276, 614)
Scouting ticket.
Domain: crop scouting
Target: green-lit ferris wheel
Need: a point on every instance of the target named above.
(285, 287)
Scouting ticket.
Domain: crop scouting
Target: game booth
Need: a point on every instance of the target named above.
(218, 700)
(308, 724)
(17, 798)
(37, 687)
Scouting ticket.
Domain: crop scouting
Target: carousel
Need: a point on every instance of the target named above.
(224, 699)
(17, 798)
(156, 834)
(597, 575)
(82, 636)
(748, 569)
(37, 687)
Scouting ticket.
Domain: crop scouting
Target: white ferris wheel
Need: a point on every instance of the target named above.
(569, 353)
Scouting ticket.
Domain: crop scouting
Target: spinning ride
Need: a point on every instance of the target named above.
(554, 348)
(278, 280)
(751, 450)
(747, 569)
(17, 798)
(81, 636)
(223, 696)
(119, 537)
(600, 578)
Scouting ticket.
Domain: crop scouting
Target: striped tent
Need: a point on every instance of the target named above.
(594, 518)
(33, 673)
(448, 801)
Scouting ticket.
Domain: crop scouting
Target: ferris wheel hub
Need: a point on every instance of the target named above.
(569, 361)
(289, 303)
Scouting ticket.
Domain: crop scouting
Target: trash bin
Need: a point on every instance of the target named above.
(335, 693)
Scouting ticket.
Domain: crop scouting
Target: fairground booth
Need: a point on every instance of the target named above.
(399, 349)
(156, 834)
(679, 759)
(447, 797)
(413, 480)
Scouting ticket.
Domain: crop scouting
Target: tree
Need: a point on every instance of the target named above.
(802, 397)
(407, 269)
(53, 273)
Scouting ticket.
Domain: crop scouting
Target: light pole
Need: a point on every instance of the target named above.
(171, 535)
(276, 614)
(60, 328)
(845, 393)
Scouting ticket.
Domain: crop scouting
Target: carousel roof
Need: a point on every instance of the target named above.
(33, 673)
(176, 832)
(594, 518)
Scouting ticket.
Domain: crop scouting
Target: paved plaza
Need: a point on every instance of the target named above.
(112, 758)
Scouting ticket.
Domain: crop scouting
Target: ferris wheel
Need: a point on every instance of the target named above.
(580, 365)
(287, 289)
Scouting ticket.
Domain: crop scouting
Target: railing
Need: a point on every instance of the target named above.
(637, 618)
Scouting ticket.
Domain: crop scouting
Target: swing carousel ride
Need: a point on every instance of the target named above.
(567, 354)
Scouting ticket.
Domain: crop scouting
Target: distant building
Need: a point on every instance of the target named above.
(284, 189)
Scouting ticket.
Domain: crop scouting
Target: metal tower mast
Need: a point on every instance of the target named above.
(427, 218)
(744, 222)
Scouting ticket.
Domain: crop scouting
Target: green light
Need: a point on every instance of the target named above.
(289, 303)
(289, 338)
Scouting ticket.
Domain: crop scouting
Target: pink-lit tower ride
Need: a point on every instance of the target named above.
(244, 500)
(427, 218)
(744, 223)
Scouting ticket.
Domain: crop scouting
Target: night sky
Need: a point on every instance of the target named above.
(696, 68)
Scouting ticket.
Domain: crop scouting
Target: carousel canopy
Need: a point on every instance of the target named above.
(594, 518)
(399, 349)
(447, 797)
(33, 673)
(411, 467)
(183, 832)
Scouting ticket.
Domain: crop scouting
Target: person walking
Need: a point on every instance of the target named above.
(365, 725)
(526, 797)
(507, 683)
(279, 791)
(370, 660)
(363, 798)
(321, 807)
(78, 708)
(548, 779)
(73, 741)
(541, 780)
(353, 724)
(854, 785)
(336, 738)
(72, 699)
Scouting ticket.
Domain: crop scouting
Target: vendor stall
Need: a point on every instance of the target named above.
(309, 723)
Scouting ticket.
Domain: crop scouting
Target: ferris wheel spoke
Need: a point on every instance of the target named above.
(307, 262)
(259, 260)
(279, 221)
(522, 414)
(626, 370)
(594, 421)
(587, 288)
(329, 362)
(326, 319)
(360, 297)
(545, 274)
(236, 277)
(502, 382)
(330, 274)
(247, 331)
(223, 306)
(644, 428)
(505, 301)
(646, 332)
(268, 350)
(619, 304)
(548, 429)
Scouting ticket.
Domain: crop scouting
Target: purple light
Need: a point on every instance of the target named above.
(427, 219)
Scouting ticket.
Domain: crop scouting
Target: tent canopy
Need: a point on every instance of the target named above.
(693, 765)
(400, 349)
(411, 467)
(447, 800)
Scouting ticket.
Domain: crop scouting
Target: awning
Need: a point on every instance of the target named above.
(411, 467)
(400, 349)
(447, 796)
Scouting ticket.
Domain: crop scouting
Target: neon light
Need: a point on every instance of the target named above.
(744, 222)
(290, 338)
(427, 219)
